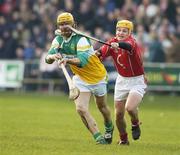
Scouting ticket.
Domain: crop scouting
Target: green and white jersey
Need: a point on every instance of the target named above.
(90, 70)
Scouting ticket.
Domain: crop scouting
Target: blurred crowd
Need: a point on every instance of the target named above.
(27, 26)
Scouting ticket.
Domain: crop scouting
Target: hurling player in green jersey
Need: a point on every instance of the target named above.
(90, 76)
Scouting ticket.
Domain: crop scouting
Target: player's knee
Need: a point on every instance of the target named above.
(101, 107)
(81, 110)
(129, 109)
(119, 115)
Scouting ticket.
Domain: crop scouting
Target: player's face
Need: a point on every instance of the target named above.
(65, 30)
(122, 33)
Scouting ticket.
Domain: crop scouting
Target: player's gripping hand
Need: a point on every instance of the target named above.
(62, 61)
(115, 45)
(53, 57)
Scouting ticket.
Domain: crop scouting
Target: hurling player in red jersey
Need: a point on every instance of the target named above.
(130, 83)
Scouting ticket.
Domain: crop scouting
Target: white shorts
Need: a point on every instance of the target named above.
(99, 89)
(126, 85)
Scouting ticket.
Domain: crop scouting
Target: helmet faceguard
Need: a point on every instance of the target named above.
(63, 20)
(123, 29)
(126, 24)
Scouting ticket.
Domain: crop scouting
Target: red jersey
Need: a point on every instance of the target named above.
(127, 63)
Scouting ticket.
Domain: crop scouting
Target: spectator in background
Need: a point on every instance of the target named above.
(85, 14)
(28, 21)
(166, 42)
(174, 55)
(29, 50)
(171, 11)
(129, 10)
(8, 45)
(143, 40)
(1, 48)
(156, 51)
(20, 53)
(110, 19)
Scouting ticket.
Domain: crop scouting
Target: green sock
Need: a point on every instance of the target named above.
(108, 125)
(97, 135)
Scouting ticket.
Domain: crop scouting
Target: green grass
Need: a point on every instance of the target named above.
(37, 124)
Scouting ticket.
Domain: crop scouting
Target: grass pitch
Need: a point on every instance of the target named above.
(37, 124)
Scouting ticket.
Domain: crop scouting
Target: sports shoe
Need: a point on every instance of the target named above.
(101, 140)
(108, 135)
(123, 142)
(136, 132)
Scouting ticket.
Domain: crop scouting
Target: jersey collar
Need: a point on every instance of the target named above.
(68, 39)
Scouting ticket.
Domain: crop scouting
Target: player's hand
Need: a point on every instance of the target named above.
(62, 61)
(115, 45)
(55, 57)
